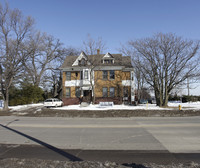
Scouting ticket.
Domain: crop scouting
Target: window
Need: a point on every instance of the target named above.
(132, 75)
(105, 92)
(78, 92)
(68, 92)
(81, 75)
(86, 74)
(68, 76)
(82, 62)
(107, 61)
(105, 74)
(112, 92)
(112, 74)
(125, 91)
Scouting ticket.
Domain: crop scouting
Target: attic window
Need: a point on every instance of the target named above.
(107, 61)
(82, 62)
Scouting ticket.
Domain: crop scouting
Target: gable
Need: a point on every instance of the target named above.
(108, 55)
(82, 59)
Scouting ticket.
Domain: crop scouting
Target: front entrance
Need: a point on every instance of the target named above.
(87, 96)
(126, 97)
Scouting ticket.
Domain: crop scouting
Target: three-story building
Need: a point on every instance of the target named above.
(98, 78)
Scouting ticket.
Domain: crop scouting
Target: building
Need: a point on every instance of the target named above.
(98, 78)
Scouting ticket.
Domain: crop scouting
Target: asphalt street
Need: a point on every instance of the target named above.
(123, 139)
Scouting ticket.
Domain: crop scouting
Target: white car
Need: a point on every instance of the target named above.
(53, 102)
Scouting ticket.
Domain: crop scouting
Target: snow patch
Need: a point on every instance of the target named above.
(172, 106)
(24, 107)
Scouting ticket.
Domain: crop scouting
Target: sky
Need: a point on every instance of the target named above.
(115, 21)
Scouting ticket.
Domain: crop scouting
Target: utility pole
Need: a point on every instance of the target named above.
(188, 86)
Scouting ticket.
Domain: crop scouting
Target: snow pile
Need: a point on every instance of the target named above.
(24, 107)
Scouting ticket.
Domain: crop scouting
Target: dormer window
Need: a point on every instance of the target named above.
(82, 62)
(108, 59)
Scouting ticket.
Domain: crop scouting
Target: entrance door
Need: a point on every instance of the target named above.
(87, 94)
(125, 95)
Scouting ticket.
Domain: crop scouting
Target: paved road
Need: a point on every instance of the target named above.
(118, 156)
(177, 135)
(161, 135)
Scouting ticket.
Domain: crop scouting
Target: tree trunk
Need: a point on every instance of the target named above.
(161, 98)
(165, 102)
(6, 100)
(138, 90)
(157, 98)
(55, 91)
(157, 94)
(93, 96)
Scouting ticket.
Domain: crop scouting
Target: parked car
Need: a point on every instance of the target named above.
(53, 102)
(143, 101)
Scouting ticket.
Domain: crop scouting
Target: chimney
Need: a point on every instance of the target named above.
(98, 51)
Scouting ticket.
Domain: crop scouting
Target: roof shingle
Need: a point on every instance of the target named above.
(95, 60)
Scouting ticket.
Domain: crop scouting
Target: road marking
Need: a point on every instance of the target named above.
(102, 126)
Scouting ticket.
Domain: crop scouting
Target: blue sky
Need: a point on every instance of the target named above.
(116, 21)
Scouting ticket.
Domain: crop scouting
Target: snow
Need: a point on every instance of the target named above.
(24, 107)
(172, 106)
(188, 105)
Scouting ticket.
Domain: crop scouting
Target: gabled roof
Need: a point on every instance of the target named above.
(96, 60)
(108, 55)
(80, 57)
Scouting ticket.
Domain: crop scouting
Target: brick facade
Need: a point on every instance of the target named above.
(113, 73)
(70, 101)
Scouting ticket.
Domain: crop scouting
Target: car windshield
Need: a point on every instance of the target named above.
(49, 100)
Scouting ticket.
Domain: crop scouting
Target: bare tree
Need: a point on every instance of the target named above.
(69, 51)
(140, 82)
(165, 61)
(45, 49)
(91, 45)
(55, 76)
(14, 29)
